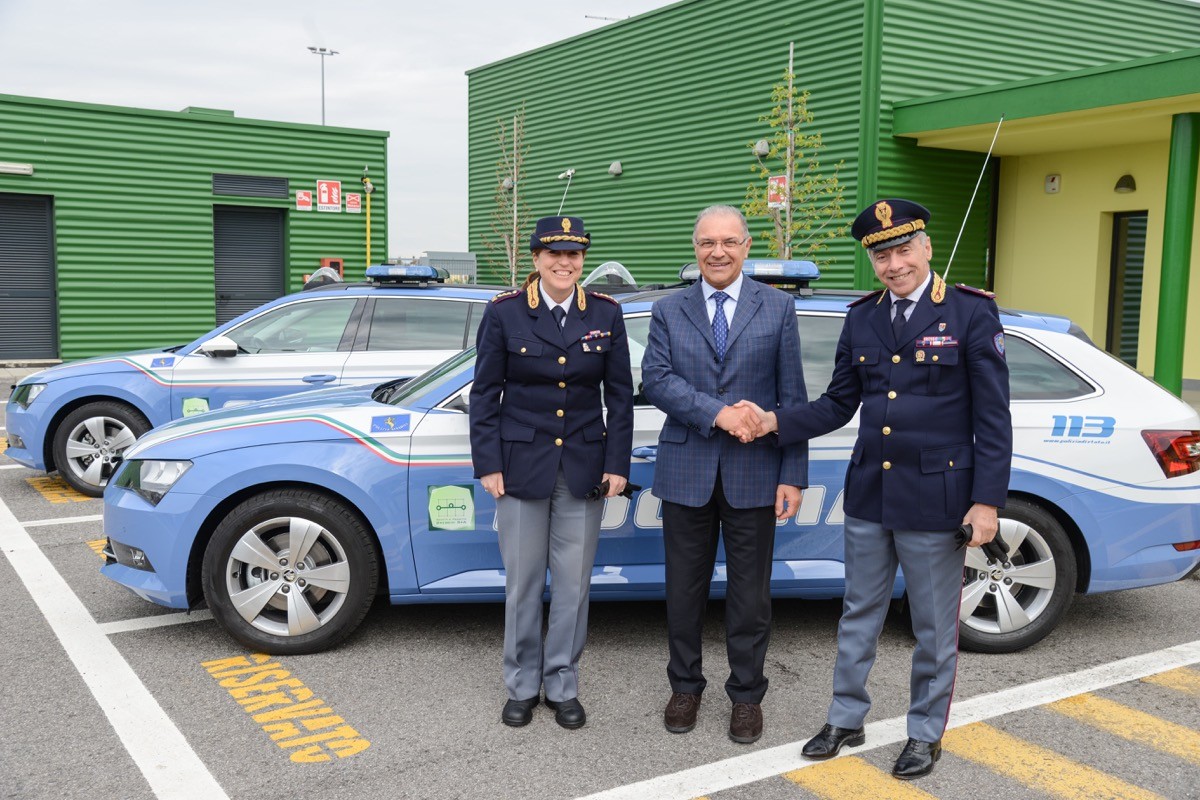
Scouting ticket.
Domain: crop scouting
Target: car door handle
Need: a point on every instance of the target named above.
(319, 378)
(649, 452)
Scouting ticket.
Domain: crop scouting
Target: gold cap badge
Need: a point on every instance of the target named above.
(883, 213)
(566, 225)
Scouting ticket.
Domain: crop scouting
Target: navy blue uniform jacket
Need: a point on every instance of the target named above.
(935, 433)
(536, 400)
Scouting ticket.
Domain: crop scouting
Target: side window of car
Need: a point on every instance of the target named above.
(1035, 375)
(413, 323)
(309, 326)
(637, 329)
(818, 346)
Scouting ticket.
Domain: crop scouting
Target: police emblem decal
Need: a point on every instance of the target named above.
(390, 423)
(998, 343)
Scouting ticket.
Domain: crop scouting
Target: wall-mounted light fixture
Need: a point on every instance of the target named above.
(615, 169)
(1125, 184)
(507, 184)
(762, 148)
(9, 168)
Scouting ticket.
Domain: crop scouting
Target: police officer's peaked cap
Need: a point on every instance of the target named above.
(560, 233)
(887, 223)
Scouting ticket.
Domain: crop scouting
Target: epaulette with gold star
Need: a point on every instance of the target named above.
(603, 297)
(876, 295)
(973, 290)
(506, 295)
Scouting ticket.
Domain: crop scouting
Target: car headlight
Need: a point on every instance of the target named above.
(151, 480)
(26, 393)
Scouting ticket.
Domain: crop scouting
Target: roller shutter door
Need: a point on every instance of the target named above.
(248, 255)
(28, 305)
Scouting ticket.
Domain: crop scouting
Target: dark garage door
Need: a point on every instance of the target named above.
(28, 308)
(248, 254)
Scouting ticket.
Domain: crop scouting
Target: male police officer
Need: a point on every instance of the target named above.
(934, 449)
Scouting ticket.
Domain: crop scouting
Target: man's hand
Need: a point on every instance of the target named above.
(742, 423)
(767, 421)
(787, 501)
(616, 484)
(984, 524)
(493, 483)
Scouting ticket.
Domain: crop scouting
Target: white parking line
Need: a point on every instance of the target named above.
(12, 466)
(38, 523)
(164, 756)
(753, 767)
(156, 621)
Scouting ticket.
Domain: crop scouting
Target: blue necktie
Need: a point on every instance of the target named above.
(900, 319)
(720, 325)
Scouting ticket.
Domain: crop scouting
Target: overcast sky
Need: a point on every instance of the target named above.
(401, 69)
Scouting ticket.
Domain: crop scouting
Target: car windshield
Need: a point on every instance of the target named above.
(423, 390)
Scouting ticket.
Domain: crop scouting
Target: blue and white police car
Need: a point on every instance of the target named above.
(289, 516)
(78, 418)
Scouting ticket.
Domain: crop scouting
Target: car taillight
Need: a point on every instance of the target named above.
(1178, 452)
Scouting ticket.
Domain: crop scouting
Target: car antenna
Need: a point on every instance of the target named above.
(978, 181)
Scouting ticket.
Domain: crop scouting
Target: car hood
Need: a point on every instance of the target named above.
(133, 361)
(320, 415)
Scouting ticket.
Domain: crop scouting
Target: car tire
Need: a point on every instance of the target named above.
(1008, 608)
(265, 599)
(89, 442)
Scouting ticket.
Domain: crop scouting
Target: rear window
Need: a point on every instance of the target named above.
(1035, 375)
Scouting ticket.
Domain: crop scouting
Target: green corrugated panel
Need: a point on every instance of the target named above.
(133, 207)
(968, 44)
(675, 96)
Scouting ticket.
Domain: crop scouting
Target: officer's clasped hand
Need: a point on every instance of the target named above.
(601, 490)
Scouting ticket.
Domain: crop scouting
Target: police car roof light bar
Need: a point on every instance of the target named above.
(775, 273)
(978, 181)
(406, 273)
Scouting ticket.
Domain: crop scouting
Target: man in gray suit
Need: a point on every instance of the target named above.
(722, 340)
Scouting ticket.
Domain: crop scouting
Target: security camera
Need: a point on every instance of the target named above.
(569, 173)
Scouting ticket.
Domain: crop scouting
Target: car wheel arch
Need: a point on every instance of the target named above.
(1083, 557)
(195, 562)
(80, 402)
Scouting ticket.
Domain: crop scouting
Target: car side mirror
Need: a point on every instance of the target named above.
(219, 347)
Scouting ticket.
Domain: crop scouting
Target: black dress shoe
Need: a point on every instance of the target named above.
(568, 713)
(917, 759)
(518, 712)
(831, 738)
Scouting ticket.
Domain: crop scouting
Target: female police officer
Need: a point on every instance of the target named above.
(539, 444)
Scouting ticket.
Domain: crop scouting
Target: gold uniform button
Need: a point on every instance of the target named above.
(558, 442)
(887, 431)
(522, 349)
(558, 413)
(562, 385)
(887, 465)
(952, 463)
(562, 359)
(895, 359)
(862, 358)
(935, 358)
(891, 395)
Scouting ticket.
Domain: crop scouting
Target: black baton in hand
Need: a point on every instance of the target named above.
(995, 550)
(601, 489)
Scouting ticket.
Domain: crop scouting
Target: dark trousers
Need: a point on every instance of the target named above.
(690, 540)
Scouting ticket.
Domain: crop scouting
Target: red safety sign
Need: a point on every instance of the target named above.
(303, 200)
(353, 203)
(329, 196)
(777, 191)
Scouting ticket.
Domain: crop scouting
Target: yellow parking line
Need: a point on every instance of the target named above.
(853, 779)
(56, 490)
(1037, 767)
(1184, 680)
(97, 546)
(3, 444)
(1129, 723)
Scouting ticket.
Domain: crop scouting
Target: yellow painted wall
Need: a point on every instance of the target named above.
(1053, 250)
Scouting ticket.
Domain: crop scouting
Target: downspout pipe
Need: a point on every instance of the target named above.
(1179, 215)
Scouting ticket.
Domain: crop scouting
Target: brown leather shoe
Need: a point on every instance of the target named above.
(745, 723)
(680, 715)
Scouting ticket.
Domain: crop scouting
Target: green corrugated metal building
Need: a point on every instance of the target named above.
(675, 95)
(124, 227)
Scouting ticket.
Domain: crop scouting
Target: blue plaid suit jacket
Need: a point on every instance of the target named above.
(682, 375)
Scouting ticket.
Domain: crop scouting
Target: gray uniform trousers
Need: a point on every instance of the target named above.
(561, 531)
(933, 574)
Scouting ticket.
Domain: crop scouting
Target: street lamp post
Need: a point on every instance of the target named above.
(322, 52)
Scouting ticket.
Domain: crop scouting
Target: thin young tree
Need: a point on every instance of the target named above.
(510, 213)
(808, 212)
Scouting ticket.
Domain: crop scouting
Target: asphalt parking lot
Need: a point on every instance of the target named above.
(109, 696)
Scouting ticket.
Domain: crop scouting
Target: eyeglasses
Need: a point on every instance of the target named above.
(726, 244)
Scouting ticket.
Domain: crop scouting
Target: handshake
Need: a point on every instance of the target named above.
(746, 421)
